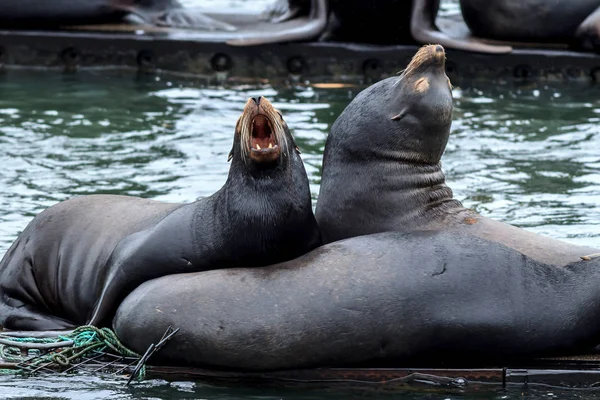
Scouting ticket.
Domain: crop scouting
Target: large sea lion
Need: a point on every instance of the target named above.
(77, 260)
(395, 298)
(382, 170)
(575, 22)
(21, 14)
(360, 21)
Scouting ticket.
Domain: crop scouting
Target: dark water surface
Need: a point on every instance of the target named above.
(528, 155)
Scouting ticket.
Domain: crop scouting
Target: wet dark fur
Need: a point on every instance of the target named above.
(433, 298)
(77, 260)
(359, 21)
(382, 170)
(532, 20)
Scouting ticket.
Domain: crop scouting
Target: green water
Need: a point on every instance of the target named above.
(527, 155)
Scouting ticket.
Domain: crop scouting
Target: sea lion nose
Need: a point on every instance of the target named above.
(257, 100)
(439, 49)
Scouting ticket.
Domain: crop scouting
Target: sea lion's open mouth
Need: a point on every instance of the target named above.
(262, 131)
(262, 137)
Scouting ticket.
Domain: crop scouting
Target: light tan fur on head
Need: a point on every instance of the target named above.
(421, 85)
(244, 125)
(424, 55)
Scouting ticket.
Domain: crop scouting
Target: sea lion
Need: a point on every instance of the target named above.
(360, 21)
(400, 299)
(27, 14)
(382, 170)
(588, 33)
(576, 22)
(77, 260)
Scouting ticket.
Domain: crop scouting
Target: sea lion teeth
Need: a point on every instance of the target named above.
(270, 145)
(257, 146)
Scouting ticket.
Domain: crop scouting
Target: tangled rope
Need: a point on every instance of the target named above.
(64, 352)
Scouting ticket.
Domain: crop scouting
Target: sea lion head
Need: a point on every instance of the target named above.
(405, 117)
(262, 137)
(420, 110)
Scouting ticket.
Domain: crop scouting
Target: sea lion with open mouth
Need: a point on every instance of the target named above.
(76, 261)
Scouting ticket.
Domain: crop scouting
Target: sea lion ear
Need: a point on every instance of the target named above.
(230, 156)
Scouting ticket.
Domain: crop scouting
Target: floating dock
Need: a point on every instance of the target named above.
(556, 374)
(149, 49)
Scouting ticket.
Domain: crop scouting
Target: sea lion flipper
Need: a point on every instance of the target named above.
(190, 19)
(313, 28)
(27, 317)
(590, 256)
(281, 11)
(588, 32)
(423, 30)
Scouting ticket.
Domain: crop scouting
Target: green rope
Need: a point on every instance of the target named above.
(85, 341)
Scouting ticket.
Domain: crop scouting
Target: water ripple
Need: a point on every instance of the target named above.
(524, 156)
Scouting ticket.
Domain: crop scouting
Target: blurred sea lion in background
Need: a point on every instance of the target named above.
(48, 14)
(384, 22)
(575, 22)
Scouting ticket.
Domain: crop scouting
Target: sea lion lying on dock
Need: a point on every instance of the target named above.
(76, 261)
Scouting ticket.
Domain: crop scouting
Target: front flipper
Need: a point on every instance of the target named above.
(142, 256)
(588, 32)
(303, 30)
(17, 315)
(178, 18)
(285, 10)
(423, 30)
(191, 19)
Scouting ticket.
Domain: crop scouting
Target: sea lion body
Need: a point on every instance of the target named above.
(45, 14)
(382, 170)
(434, 298)
(384, 22)
(77, 260)
(531, 20)
(354, 21)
